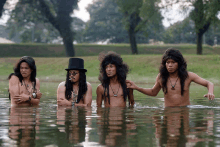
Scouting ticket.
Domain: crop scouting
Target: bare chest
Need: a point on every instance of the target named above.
(174, 86)
(173, 97)
(116, 97)
(26, 88)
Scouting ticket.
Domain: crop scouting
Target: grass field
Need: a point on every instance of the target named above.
(143, 70)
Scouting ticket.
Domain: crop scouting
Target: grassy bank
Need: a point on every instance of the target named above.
(143, 70)
(53, 50)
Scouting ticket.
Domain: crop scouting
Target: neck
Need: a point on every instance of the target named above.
(173, 75)
(114, 80)
(26, 79)
(75, 84)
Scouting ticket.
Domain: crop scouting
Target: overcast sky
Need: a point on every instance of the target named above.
(170, 17)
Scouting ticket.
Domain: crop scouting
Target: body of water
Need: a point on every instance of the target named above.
(142, 125)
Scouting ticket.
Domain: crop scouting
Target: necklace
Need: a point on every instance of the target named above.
(173, 86)
(26, 86)
(115, 94)
(75, 96)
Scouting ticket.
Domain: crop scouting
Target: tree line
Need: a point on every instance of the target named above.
(115, 21)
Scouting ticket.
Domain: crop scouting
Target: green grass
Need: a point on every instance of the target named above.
(143, 70)
(56, 50)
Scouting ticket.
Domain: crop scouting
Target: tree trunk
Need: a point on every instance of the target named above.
(62, 22)
(199, 43)
(2, 3)
(132, 39)
(69, 48)
(67, 35)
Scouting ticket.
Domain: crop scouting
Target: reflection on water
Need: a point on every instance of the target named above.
(23, 125)
(72, 123)
(173, 128)
(143, 125)
(114, 126)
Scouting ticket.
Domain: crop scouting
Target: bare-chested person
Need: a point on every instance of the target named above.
(75, 90)
(24, 87)
(113, 89)
(174, 79)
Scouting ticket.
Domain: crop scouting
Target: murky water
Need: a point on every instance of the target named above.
(143, 125)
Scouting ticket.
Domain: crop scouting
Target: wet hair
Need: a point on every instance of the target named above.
(182, 68)
(30, 61)
(121, 72)
(82, 86)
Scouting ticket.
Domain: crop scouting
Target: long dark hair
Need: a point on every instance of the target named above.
(30, 61)
(82, 86)
(182, 68)
(121, 72)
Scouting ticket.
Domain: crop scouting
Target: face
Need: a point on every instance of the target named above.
(110, 70)
(74, 75)
(25, 70)
(171, 65)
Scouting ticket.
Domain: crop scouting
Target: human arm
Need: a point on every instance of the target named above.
(38, 93)
(131, 97)
(99, 93)
(87, 101)
(148, 91)
(14, 88)
(22, 97)
(61, 100)
(210, 86)
(35, 101)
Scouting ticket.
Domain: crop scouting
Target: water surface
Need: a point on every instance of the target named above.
(148, 123)
(142, 125)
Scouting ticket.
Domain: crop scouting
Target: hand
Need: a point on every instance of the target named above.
(39, 94)
(21, 98)
(63, 102)
(210, 96)
(131, 84)
(60, 101)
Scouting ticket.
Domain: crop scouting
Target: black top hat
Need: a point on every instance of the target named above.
(77, 64)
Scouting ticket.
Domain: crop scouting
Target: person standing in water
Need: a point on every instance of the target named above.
(175, 80)
(75, 91)
(113, 89)
(24, 87)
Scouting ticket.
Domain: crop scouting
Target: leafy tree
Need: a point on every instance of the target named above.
(180, 32)
(136, 15)
(31, 26)
(202, 12)
(105, 22)
(213, 34)
(78, 26)
(57, 13)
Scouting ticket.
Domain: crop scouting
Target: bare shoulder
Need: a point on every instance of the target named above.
(14, 79)
(100, 88)
(158, 78)
(89, 85)
(37, 81)
(62, 85)
(192, 75)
